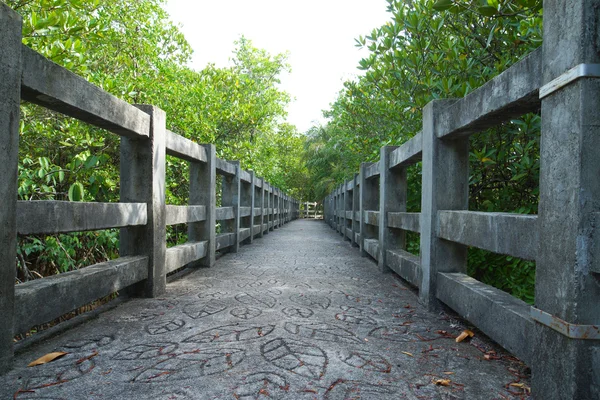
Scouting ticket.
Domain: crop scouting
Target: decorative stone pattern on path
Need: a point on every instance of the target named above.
(297, 315)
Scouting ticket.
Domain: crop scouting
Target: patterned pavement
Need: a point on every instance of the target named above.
(297, 315)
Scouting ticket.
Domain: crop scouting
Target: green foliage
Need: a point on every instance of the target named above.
(432, 50)
(131, 49)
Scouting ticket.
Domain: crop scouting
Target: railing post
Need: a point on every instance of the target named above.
(143, 164)
(392, 198)
(275, 208)
(230, 197)
(271, 208)
(338, 218)
(252, 199)
(261, 200)
(10, 99)
(369, 193)
(343, 209)
(445, 187)
(568, 263)
(203, 179)
(355, 210)
(267, 206)
(347, 209)
(281, 202)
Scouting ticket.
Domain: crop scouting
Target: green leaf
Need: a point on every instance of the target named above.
(76, 192)
(442, 5)
(488, 11)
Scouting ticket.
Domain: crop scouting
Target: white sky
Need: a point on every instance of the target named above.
(319, 34)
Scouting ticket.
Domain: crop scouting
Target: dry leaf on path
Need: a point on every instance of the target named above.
(407, 353)
(522, 386)
(442, 382)
(47, 358)
(465, 334)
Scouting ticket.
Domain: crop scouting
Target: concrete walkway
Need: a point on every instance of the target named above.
(297, 315)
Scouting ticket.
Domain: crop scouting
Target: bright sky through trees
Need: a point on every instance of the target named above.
(319, 34)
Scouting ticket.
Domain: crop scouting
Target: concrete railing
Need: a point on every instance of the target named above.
(558, 337)
(311, 210)
(251, 207)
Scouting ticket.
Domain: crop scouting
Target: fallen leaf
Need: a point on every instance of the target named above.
(448, 373)
(407, 353)
(47, 358)
(442, 382)
(465, 334)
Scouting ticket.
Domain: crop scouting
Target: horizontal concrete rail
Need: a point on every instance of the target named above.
(225, 168)
(372, 247)
(258, 182)
(349, 233)
(404, 220)
(372, 171)
(180, 256)
(357, 215)
(512, 234)
(509, 95)
(244, 234)
(37, 217)
(245, 211)
(407, 154)
(183, 148)
(225, 240)
(245, 176)
(371, 217)
(350, 185)
(52, 86)
(43, 300)
(256, 229)
(258, 212)
(185, 214)
(348, 214)
(406, 265)
(224, 213)
(499, 315)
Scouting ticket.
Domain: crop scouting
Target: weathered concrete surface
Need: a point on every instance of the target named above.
(35, 217)
(10, 69)
(185, 214)
(511, 94)
(504, 233)
(274, 321)
(52, 86)
(42, 300)
(566, 285)
(407, 154)
(143, 168)
(184, 148)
